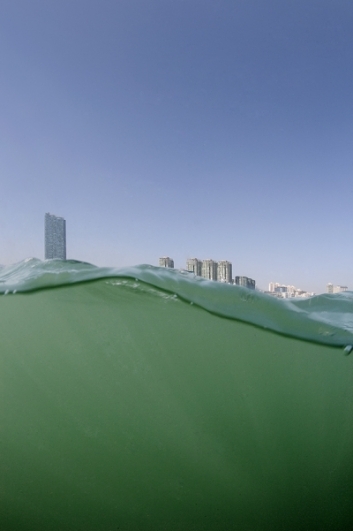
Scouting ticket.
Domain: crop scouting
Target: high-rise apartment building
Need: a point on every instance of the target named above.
(165, 261)
(55, 237)
(209, 269)
(224, 271)
(245, 282)
(194, 265)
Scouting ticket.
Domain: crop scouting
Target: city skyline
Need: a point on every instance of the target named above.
(219, 271)
(188, 128)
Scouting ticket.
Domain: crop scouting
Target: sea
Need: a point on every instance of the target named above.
(147, 398)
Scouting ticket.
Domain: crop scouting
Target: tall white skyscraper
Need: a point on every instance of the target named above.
(194, 265)
(55, 237)
(224, 271)
(209, 269)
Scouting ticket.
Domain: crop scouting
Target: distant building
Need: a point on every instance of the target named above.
(281, 289)
(336, 289)
(275, 294)
(275, 287)
(165, 261)
(194, 265)
(55, 237)
(245, 282)
(209, 269)
(286, 292)
(224, 271)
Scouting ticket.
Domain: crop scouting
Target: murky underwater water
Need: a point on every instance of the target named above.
(140, 401)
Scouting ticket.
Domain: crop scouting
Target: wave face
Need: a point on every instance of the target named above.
(148, 399)
(326, 319)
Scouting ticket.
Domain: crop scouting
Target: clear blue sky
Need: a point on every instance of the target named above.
(211, 128)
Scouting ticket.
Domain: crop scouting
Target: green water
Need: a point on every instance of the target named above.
(127, 407)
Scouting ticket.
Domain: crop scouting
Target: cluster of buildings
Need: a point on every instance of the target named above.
(287, 292)
(283, 291)
(55, 247)
(212, 270)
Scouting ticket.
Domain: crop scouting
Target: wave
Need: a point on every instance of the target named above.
(146, 399)
(325, 319)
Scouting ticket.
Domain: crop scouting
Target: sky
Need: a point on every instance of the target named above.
(185, 128)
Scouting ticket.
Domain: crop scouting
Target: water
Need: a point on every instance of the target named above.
(146, 399)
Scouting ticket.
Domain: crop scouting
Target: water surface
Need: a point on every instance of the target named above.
(144, 398)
